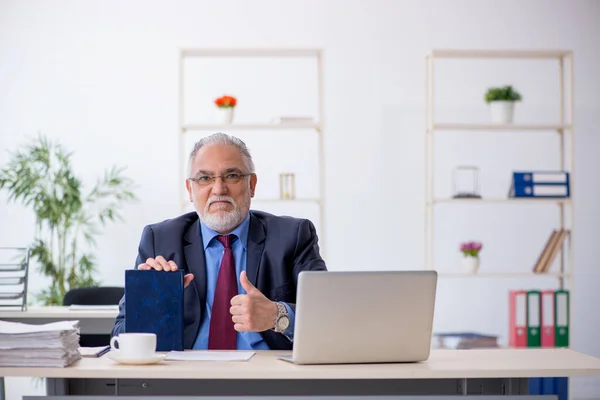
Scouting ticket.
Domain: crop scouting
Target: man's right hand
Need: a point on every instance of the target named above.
(159, 263)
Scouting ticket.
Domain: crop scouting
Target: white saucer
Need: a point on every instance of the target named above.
(156, 358)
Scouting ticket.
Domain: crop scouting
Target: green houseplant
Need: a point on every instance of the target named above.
(40, 176)
(502, 103)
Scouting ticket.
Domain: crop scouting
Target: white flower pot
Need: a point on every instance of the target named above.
(470, 265)
(226, 114)
(502, 111)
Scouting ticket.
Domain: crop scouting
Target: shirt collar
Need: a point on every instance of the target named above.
(241, 231)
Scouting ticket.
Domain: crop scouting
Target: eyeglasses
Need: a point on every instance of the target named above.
(232, 178)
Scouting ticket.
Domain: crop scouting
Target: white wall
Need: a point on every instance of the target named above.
(102, 77)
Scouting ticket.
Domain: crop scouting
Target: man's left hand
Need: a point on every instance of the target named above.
(252, 312)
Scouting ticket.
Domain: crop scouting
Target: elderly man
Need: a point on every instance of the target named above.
(223, 241)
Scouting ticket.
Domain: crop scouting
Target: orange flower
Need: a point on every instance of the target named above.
(226, 101)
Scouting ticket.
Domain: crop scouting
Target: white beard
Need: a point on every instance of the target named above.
(222, 221)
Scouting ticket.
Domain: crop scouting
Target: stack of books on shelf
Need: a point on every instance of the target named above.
(464, 340)
(50, 345)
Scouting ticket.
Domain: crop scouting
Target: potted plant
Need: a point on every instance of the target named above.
(502, 103)
(226, 104)
(40, 176)
(470, 251)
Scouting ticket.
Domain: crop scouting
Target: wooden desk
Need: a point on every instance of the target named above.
(447, 372)
(90, 321)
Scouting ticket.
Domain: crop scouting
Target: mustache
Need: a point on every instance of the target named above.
(220, 198)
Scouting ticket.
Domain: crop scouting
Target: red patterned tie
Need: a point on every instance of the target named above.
(221, 335)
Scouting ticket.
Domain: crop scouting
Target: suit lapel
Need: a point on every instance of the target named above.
(194, 257)
(256, 239)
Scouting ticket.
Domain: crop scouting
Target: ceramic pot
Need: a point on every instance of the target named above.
(502, 111)
(226, 114)
(470, 265)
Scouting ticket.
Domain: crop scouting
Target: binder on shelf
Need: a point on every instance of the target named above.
(517, 318)
(540, 184)
(548, 311)
(534, 324)
(540, 191)
(557, 245)
(540, 177)
(540, 264)
(533, 318)
(562, 317)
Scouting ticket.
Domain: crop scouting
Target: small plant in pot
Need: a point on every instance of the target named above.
(226, 105)
(470, 251)
(502, 103)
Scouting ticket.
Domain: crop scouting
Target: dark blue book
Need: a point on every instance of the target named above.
(154, 304)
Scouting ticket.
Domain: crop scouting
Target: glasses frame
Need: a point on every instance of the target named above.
(214, 178)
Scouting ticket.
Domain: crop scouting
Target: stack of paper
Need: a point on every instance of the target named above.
(49, 345)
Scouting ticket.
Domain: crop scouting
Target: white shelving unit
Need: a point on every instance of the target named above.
(317, 126)
(564, 130)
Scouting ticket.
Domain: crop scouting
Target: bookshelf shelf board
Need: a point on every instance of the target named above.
(252, 126)
(499, 53)
(501, 200)
(276, 200)
(250, 52)
(493, 275)
(499, 127)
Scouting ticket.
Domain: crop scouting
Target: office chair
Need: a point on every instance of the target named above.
(94, 296)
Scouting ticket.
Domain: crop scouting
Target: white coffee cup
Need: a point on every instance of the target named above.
(134, 345)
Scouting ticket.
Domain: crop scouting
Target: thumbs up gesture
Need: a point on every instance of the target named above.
(252, 312)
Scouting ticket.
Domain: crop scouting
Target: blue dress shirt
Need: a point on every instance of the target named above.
(213, 252)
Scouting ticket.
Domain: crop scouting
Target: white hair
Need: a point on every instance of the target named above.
(222, 138)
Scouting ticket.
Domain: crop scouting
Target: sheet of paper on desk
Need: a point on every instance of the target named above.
(202, 355)
(80, 307)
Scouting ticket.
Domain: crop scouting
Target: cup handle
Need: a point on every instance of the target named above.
(114, 340)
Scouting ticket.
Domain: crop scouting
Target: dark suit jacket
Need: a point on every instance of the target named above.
(279, 248)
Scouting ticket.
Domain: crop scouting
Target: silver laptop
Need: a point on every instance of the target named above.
(345, 317)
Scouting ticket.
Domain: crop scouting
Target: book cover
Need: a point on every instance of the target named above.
(154, 304)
